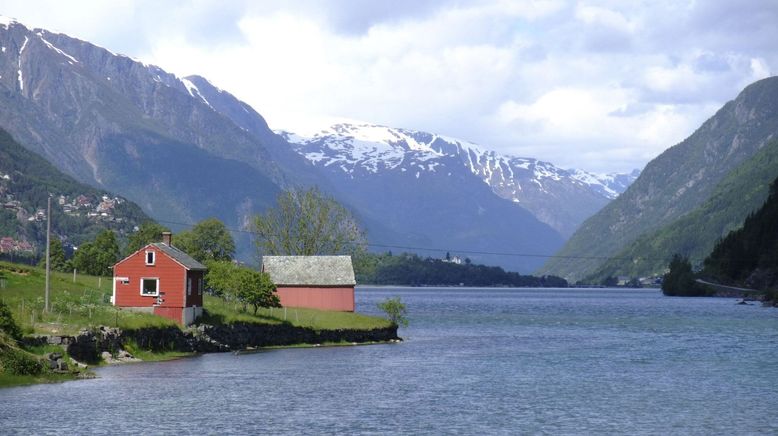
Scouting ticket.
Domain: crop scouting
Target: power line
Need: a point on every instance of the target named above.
(444, 250)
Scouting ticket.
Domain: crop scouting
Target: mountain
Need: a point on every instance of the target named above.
(675, 184)
(79, 211)
(694, 235)
(125, 126)
(185, 150)
(352, 152)
(425, 199)
(749, 255)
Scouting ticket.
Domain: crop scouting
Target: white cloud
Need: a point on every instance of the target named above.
(604, 85)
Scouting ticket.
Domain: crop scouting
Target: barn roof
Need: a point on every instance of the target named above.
(179, 256)
(310, 270)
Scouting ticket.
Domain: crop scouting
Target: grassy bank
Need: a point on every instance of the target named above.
(19, 366)
(84, 302)
(74, 304)
(222, 312)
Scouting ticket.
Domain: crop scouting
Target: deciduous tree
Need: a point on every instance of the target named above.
(395, 309)
(98, 256)
(307, 223)
(208, 240)
(241, 284)
(147, 233)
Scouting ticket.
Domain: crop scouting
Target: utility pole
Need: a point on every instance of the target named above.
(48, 253)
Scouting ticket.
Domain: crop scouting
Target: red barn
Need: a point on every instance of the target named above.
(317, 282)
(160, 279)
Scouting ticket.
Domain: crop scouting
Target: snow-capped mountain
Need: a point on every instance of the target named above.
(558, 197)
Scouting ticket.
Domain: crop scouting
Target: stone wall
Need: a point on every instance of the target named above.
(88, 345)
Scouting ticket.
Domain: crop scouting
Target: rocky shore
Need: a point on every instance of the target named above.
(89, 345)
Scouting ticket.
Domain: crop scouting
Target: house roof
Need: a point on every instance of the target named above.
(174, 253)
(310, 270)
(179, 256)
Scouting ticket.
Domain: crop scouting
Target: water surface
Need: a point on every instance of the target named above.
(475, 361)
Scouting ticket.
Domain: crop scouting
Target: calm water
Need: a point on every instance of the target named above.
(475, 361)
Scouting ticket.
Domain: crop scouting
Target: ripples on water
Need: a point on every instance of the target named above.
(475, 361)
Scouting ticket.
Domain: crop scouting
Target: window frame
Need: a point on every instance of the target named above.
(143, 294)
(153, 257)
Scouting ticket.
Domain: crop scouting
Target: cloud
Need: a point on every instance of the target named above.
(604, 85)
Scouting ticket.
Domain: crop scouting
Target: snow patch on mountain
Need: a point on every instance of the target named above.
(362, 147)
(7, 21)
(21, 50)
(56, 49)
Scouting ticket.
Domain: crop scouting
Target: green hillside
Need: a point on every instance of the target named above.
(749, 256)
(675, 183)
(79, 211)
(694, 235)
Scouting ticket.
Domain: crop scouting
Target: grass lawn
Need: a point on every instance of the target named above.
(85, 303)
(221, 311)
(78, 304)
(10, 380)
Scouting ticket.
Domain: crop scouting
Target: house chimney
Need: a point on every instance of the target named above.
(167, 239)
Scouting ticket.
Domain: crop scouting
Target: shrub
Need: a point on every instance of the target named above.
(395, 310)
(19, 363)
(7, 323)
(679, 281)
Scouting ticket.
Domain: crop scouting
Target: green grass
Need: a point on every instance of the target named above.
(83, 303)
(9, 347)
(10, 380)
(220, 311)
(149, 356)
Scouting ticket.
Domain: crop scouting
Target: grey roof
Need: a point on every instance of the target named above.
(309, 270)
(179, 256)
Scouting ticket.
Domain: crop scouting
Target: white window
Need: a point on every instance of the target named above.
(150, 257)
(149, 286)
(188, 286)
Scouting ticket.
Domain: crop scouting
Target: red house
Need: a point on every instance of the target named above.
(160, 279)
(317, 282)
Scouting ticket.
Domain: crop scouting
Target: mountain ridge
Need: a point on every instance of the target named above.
(676, 182)
(560, 198)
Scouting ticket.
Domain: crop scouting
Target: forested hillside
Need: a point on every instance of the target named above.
(749, 256)
(412, 270)
(79, 212)
(676, 183)
(693, 236)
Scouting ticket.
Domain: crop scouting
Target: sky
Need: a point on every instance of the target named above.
(603, 86)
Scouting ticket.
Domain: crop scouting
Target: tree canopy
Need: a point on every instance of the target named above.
(679, 281)
(242, 284)
(395, 309)
(411, 269)
(208, 240)
(147, 233)
(97, 257)
(307, 223)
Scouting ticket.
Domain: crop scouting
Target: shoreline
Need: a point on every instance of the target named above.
(88, 345)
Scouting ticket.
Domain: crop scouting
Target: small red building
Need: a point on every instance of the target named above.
(317, 282)
(160, 279)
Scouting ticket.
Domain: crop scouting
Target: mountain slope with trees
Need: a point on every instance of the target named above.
(185, 150)
(694, 234)
(748, 256)
(79, 212)
(675, 183)
(412, 270)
